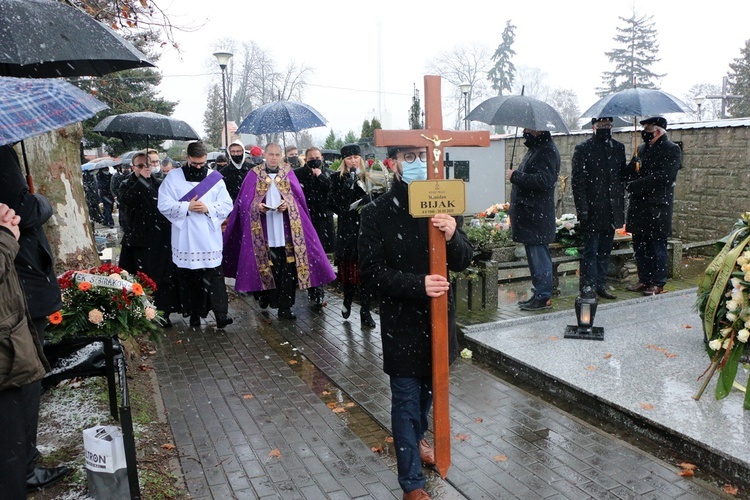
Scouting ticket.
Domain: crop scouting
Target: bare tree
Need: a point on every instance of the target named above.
(710, 108)
(533, 81)
(463, 64)
(565, 101)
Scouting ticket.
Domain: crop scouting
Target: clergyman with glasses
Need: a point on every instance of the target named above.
(598, 164)
(196, 201)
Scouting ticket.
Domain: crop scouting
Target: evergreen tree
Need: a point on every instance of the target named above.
(636, 53)
(375, 125)
(350, 137)
(503, 72)
(213, 117)
(126, 92)
(330, 142)
(415, 112)
(739, 83)
(367, 129)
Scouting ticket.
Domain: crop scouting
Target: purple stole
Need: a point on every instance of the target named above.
(203, 186)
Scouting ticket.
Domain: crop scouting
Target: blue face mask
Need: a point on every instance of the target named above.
(414, 171)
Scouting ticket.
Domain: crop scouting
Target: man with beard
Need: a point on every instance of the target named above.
(315, 179)
(236, 169)
(270, 243)
(598, 163)
(532, 212)
(651, 194)
(195, 200)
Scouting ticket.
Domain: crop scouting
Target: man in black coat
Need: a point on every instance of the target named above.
(315, 178)
(651, 195)
(532, 212)
(598, 164)
(35, 266)
(236, 170)
(394, 261)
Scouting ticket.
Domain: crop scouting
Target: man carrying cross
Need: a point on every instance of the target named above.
(407, 259)
(394, 258)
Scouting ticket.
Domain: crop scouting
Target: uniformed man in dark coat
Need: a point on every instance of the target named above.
(394, 260)
(598, 164)
(650, 189)
(315, 178)
(532, 212)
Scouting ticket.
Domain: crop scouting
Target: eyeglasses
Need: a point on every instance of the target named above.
(197, 165)
(410, 157)
(154, 162)
(142, 165)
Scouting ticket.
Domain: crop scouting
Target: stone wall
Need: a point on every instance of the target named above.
(711, 189)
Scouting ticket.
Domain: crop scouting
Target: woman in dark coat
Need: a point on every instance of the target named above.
(146, 243)
(349, 194)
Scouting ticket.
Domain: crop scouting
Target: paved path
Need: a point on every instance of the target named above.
(518, 446)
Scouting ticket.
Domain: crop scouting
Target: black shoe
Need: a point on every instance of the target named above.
(537, 305)
(366, 319)
(346, 310)
(317, 303)
(527, 301)
(264, 301)
(604, 293)
(44, 477)
(287, 314)
(223, 320)
(195, 321)
(167, 323)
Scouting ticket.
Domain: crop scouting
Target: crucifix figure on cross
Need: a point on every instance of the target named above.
(428, 364)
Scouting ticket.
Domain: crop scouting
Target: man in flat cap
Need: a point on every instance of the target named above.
(651, 178)
(598, 164)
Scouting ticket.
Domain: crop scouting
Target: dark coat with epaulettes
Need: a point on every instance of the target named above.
(532, 197)
(598, 190)
(651, 189)
(394, 261)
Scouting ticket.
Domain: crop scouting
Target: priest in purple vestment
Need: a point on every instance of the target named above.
(270, 244)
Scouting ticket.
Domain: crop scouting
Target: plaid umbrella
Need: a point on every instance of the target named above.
(31, 107)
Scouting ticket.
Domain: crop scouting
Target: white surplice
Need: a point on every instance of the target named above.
(196, 237)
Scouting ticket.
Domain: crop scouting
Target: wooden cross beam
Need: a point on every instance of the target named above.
(434, 137)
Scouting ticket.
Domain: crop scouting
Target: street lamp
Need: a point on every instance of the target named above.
(465, 88)
(699, 101)
(223, 59)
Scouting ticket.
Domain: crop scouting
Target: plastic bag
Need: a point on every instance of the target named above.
(106, 467)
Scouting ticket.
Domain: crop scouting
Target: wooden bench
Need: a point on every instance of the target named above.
(622, 254)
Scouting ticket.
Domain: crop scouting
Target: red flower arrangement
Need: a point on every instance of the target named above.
(104, 300)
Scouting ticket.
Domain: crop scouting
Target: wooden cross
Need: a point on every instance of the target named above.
(433, 136)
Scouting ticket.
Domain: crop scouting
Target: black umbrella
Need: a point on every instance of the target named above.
(145, 125)
(519, 111)
(281, 116)
(47, 39)
(636, 102)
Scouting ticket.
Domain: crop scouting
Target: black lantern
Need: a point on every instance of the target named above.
(586, 304)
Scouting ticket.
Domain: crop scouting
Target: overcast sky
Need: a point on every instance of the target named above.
(339, 41)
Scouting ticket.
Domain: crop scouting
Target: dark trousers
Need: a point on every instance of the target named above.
(13, 442)
(540, 266)
(285, 278)
(203, 290)
(315, 292)
(597, 245)
(411, 399)
(652, 259)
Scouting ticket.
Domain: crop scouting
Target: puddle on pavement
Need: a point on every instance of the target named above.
(357, 419)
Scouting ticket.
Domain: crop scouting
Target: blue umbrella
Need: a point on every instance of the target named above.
(281, 116)
(636, 102)
(30, 107)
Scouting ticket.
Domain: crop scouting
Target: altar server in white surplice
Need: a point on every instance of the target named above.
(195, 200)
